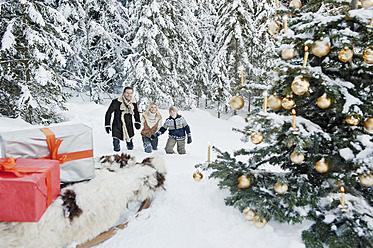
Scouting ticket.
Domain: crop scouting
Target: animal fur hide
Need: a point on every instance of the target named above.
(86, 209)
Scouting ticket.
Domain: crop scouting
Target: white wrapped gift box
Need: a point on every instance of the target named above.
(72, 145)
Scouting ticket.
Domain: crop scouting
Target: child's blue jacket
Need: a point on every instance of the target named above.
(177, 128)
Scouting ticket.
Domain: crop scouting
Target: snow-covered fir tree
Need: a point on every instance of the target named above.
(98, 37)
(241, 40)
(165, 51)
(33, 50)
(314, 162)
(205, 12)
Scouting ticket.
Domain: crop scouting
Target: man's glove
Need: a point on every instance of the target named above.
(189, 140)
(154, 136)
(108, 129)
(137, 126)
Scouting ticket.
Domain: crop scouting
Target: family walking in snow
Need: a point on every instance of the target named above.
(125, 110)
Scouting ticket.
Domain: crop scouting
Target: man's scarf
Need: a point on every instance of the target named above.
(127, 106)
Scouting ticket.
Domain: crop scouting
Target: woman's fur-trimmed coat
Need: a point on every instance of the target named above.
(122, 125)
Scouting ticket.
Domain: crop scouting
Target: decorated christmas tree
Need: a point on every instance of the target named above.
(313, 155)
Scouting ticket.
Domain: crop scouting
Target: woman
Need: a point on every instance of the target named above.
(152, 121)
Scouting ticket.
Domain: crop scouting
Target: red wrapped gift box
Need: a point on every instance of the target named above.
(27, 188)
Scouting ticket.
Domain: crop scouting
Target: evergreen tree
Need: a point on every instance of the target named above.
(33, 49)
(165, 52)
(298, 171)
(98, 37)
(240, 37)
(206, 13)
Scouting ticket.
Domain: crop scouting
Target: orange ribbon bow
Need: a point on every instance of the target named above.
(9, 166)
(54, 144)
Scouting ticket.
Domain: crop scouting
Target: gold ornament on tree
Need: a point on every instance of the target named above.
(197, 176)
(321, 166)
(353, 120)
(296, 4)
(256, 138)
(368, 124)
(287, 53)
(320, 48)
(288, 103)
(274, 27)
(345, 55)
(244, 182)
(237, 102)
(274, 102)
(297, 158)
(366, 3)
(300, 85)
(368, 55)
(280, 188)
(259, 221)
(324, 101)
(366, 179)
(248, 213)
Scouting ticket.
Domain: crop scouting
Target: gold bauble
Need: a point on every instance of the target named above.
(288, 103)
(274, 27)
(274, 102)
(281, 188)
(296, 158)
(259, 222)
(368, 55)
(244, 182)
(300, 86)
(368, 124)
(366, 180)
(321, 166)
(256, 138)
(366, 3)
(237, 102)
(320, 48)
(296, 4)
(323, 102)
(287, 53)
(197, 176)
(353, 120)
(345, 55)
(248, 213)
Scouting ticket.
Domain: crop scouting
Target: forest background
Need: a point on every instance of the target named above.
(184, 53)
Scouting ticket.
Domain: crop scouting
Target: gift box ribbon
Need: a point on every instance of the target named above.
(9, 165)
(54, 144)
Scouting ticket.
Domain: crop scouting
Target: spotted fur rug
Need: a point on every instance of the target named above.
(84, 210)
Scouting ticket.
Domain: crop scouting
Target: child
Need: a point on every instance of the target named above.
(177, 128)
(152, 121)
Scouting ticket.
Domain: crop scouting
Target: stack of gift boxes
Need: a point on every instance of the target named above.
(33, 164)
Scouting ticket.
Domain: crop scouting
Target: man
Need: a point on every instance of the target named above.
(124, 108)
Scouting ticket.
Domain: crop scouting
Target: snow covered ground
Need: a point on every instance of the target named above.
(187, 214)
